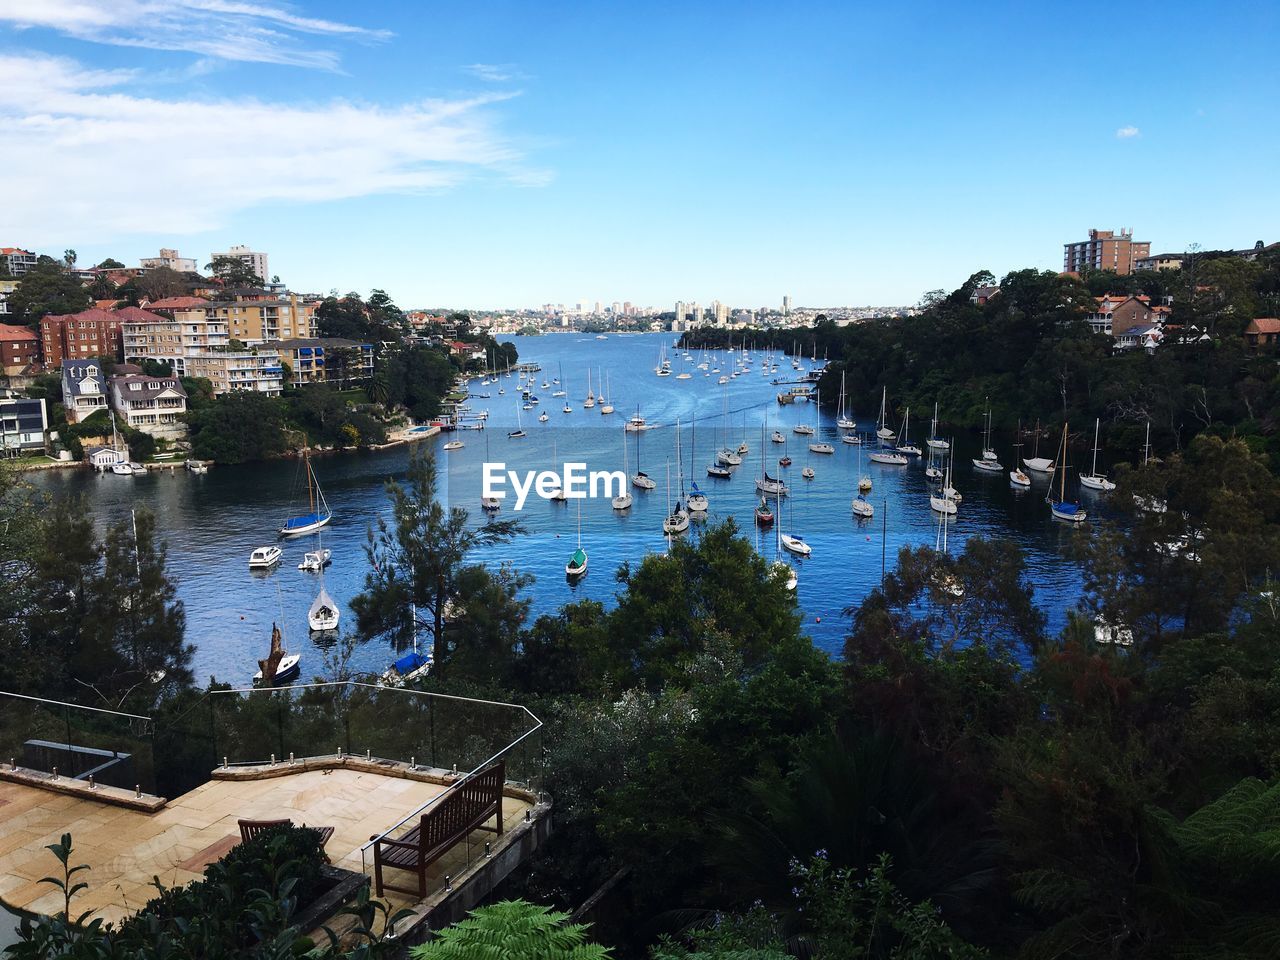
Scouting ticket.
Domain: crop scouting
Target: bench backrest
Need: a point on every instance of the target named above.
(467, 803)
(251, 828)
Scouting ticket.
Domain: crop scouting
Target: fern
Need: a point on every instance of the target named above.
(513, 930)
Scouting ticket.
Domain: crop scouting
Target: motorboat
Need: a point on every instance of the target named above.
(197, 466)
(122, 469)
(777, 437)
(821, 448)
(314, 560)
(862, 508)
(264, 558)
(808, 473)
(454, 445)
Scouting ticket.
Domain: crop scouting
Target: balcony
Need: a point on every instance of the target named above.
(145, 800)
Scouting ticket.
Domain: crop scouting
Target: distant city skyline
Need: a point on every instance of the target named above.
(505, 157)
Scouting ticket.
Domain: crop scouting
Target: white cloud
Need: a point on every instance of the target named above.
(494, 72)
(84, 157)
(1128, 133)
(223, 29)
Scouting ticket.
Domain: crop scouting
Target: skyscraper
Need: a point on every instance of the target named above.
(786, 306)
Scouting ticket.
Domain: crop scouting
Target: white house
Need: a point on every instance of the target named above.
(84, 389)
(154, 405)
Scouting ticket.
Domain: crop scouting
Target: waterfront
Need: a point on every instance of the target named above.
(211, 522)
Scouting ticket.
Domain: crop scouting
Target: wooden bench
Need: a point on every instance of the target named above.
(252, 828)
(464, 807)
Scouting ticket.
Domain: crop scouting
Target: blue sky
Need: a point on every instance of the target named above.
(511, 154)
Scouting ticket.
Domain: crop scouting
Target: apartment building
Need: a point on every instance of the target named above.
(84, 389)
(229, 370)
(257, 262)
(24, 425)
(172, 340)
(154, 405)
(17, 261)
(19, 348)
(1160, 261)
(1105, 250)
(326, 359)
(168, 258)
(7, 286)
(76, 336)
(255, 321)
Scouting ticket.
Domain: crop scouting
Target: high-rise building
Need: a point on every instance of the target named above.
(1105, 250)
(627, 309)
(786, 306)
(696, 311)
(722, 313)
(257, 262)
(680, 311)
(616, 308)
(599, 308)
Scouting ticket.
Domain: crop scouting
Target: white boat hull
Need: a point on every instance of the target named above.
(942, 505)
(988, 466)
(821, 448)
(641, 482)
(795, 545)
(889, 459)
(1096, 483)
(862, 508)
(623, 502)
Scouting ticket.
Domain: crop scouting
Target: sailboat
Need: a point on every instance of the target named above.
(623, 500)
(1037, 463)
(606, 405)
(318, 512)
(559, 392)
(641, 480)
(518, 432)
(1093, 479)
(988, 461)
(791, 542)
(663, 369)
(860, 505)
(767, 485)
(1016, 477)
(554, 490)
(590, 401)
(935, 442)
(697, 500)
(906, 446)
(677, 521)
(1060, 508)
(843, 420)
(324, 613)
(1149, 504)
(886, 435)
(489, 504)
(780, 564)
(280, 666)
(409, 666)
(942, 501)
(577, 564)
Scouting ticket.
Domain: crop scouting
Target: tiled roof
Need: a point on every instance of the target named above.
(12, 333)
(93, 313)
(1265, 325)
(178, 303)
(5, 251)
(138, 315)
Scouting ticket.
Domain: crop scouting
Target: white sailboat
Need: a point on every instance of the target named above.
(324, 613)
(623, 501)
(988, 462)
(935, 442)
(1149, 504)
(606, 404)
(1016, 477)
(518, 432)
(489, 504)
(906, 446)
(793, 542)
(941, 501)
(886, 435)
(1093, 479)
(590, 401)
(677, 521)
(843, 421)
(1037, 463)
(640, 480)
(697, 500)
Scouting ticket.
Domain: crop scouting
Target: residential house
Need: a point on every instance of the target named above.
(84, 389)
(467, 351)
(154, 405)
(326, 359)
(24, 425)
(1262, 332)
(104, 458)
(19, 348)
(1118, 313)
(17, 261)
(982, 294)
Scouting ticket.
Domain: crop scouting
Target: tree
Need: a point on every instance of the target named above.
(131, 640)
(69, 258)
(110, 264)
(420, 563)
(512, 930)
(48, 289)
(240, 426)
(159, 283)
(233, 272)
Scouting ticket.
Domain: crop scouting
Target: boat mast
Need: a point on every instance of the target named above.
(1096, 424)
